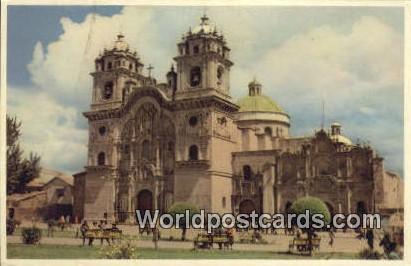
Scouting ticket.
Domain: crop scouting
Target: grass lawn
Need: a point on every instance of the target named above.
(21, 251)
(56, 233)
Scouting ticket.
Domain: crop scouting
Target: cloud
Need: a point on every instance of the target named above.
(49, 129)
(337, 65)
(357, 72)
(357, 68)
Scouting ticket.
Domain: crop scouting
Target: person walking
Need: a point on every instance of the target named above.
(83, 229)
(332, 236)
(369, 235)
(62, 222)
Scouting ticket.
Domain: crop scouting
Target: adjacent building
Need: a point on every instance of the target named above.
(48, 196)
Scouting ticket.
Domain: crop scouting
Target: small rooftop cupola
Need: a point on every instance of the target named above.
(336, 129)
(204, 26)
(254, 88)
(336, 135)
(262, 112)
(120, 44)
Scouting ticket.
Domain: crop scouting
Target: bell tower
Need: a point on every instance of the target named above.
(206, 132)
(117, 71)
(203, 62)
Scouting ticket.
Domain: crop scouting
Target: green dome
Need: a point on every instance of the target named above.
(258, 103)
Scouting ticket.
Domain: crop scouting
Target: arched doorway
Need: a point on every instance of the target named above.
(361, 208)
(145, 200)
(247, 207)
(287, 208)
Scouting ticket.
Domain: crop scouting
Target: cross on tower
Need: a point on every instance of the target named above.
(149, 68)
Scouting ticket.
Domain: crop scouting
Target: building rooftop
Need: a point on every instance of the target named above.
(258, 103)
(46, 175)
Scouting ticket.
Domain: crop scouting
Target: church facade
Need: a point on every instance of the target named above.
(153, 144)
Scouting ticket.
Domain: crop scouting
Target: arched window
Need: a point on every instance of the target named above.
(361, 208)
(145, 151)
(220, 72)
(196, 49)
(101, 158)
(193, 121)
(268, 131)
(247, 172)
(108, 90)
(110, 65)
(195, 76)
(193, 153)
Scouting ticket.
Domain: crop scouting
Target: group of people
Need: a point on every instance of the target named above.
(85, 227)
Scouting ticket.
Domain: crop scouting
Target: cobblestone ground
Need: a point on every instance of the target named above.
(343, 242)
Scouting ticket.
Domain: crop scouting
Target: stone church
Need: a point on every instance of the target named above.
(152, 144)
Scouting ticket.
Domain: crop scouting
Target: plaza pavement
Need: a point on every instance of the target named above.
(343, 242)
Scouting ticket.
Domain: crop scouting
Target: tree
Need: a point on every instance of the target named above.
(180, 208)
(314, 206)
(20, 171)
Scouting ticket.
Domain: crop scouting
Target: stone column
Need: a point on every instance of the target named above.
(279, 199)
(348, 199)
(268, 195)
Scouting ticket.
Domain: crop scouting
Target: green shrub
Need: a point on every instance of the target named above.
(314, 205)
(31, 235)
(181, 207)
(369, 254)
(119, 252)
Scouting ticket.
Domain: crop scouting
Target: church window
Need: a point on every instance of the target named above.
(101, 158)
(220, 72)
(102, 130)
(268, 131)
(195, 76)
(109, 66)
(126, 149)
(247, 172)
(224, 202)
(193, 121)
(145, 151)
(130, 66)
(60, 192)
(108, 90)
(196, 49)
(193, 153)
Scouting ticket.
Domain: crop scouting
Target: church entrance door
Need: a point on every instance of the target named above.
(145, 200)
(247, 206)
